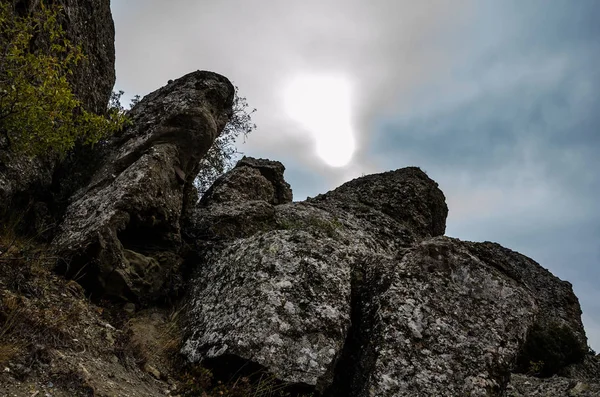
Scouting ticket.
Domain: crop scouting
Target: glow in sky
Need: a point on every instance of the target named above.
(321, 104)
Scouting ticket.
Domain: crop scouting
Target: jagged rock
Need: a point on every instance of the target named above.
(241, 202)
(122, 231)
(354, 293)
(250, 180)
(406, 195)
(446, 323)
(559, 315)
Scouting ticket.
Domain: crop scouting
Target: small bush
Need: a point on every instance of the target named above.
(221, 156)
(38, 110)
(549, 349)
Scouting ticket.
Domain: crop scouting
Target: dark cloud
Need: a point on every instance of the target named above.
(497, 100)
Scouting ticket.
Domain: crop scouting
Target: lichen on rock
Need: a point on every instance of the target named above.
(135, 199)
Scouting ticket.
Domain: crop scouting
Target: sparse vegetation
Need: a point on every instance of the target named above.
(38, 110)
(328, 227)
(222, 154)
(548, 349)
(199, 381)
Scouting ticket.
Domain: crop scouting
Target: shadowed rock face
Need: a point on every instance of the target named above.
(355, 292)
(407, 195)
(122, 231)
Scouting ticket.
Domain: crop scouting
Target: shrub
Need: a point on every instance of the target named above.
(549, 349)
(221, 157)
(38, 110)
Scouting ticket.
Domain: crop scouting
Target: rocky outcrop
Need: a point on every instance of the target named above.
(121, 233)
(241, 202)
(406, 196)
(356, 292)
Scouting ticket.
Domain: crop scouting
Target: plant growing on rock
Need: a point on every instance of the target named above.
(38, 110)
(222, 154)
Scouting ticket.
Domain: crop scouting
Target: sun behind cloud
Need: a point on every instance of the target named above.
(321, 104)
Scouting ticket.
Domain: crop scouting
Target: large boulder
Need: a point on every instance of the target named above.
(407, 195)
(240, 202)
(121, 233)
(356, 293)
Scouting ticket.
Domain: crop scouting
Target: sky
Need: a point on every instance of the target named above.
(498, 101)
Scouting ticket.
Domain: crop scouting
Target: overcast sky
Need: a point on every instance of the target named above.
(498, 101)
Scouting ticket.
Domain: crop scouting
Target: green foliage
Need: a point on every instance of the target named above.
(38, 111)
(222, 154)
(549, 349)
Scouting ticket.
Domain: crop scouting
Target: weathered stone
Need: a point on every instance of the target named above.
(446, 324)
(406, 195)
(275, 303)
(528, 386)
(415, 314)
(250, 180)
(122, 231)
(557, 338)
(89, 23)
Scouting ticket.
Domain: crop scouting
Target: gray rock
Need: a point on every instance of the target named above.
(528, 386)
(557, 338)
(406, 195)
(250, 180)
(240, 202)
(273, 302)
(354, 292)
(122, 231)
(445, 323)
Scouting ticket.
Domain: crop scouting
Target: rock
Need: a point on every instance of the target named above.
(355, 293)
(446, 324)
(406, 195)
(557, 338)
(250, 180)
(129, 308)
(241, 202)
(528, 386)
(152, 371)
(122, 231)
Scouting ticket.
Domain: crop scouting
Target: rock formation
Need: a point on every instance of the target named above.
(88, 23)
(356, 292)
(121, 233)
(353, 293)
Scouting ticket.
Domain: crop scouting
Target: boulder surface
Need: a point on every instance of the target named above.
(121, 233)
(357, 293)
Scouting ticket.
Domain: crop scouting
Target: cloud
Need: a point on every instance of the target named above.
(497, 101)
(384, 46)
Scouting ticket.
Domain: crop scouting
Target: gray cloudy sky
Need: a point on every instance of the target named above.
(497, 100)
